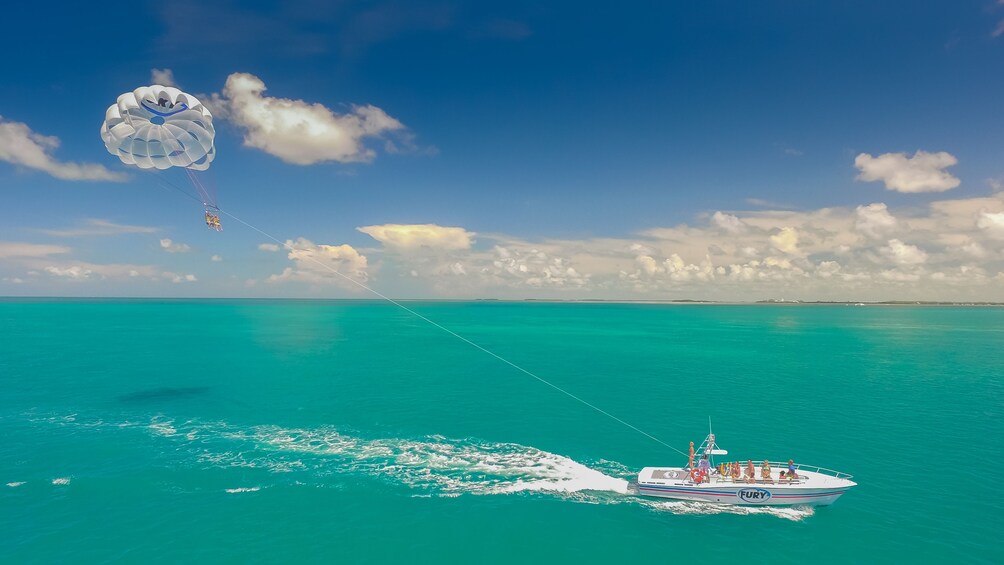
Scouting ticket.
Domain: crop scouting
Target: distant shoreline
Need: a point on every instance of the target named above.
(678, 302)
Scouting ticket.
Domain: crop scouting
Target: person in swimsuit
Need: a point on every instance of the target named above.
(791, 470)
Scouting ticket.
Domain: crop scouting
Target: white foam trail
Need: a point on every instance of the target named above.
(243, 489)
(448, 467)
(567, 476)
(433, 466)
(163, 428)
(15, 484)
(61, 481)
(793, 513)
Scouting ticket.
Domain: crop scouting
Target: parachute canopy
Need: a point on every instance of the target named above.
(160, 127)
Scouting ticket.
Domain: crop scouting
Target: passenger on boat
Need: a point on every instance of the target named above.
(690, 461)
(736, 471)
(765, 472)
(791, 470)
(704, 466)
(750, 472)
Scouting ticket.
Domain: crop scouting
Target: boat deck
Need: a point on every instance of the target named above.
(806, 476)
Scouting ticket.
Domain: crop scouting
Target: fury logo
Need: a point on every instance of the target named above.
(754, 495)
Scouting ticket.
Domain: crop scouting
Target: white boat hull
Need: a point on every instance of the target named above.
(812, 489)
(752, 496)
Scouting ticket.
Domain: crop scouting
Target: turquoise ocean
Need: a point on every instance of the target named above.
(354, 432)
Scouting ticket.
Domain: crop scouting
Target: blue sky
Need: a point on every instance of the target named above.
(638, 150)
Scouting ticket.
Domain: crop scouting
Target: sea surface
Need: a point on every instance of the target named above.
(354, 432)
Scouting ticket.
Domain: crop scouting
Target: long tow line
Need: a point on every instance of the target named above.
(309, 256)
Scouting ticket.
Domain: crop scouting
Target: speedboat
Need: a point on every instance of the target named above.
(765, 483)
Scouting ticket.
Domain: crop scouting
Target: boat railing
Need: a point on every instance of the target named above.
(811, 468)
(779, 466)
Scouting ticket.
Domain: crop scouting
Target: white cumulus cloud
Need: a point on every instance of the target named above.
(21, 146)
(923, 172)
(415, 236)
(786, 240)
(76, 272)
(322, 264)
(177, 278)
(727, 222)
(860, 253)
(268, 247)
(992, 223)
(904, 253)
(874, 220)
(975, 249)
(301, 132)
(515, 266)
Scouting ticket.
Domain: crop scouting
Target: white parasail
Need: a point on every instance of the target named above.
(160, 127)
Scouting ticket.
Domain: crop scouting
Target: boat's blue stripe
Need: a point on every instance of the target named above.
(813, 495)
(727, 493)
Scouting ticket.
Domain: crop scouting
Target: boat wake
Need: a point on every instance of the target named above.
(433, 466)
(793, 513)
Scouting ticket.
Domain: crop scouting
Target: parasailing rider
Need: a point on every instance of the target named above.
(213, 221)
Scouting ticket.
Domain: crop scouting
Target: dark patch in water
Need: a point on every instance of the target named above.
(164, 393)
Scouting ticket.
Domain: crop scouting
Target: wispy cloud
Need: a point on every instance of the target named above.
(999, 30)
(21, 250)
(21, 146)
(86, 271)
(82, 271)
(502, 28)
(99, 227)
(384, 21)
(164, 77)
(245, 29)
(178, 278)
(299, 28)
(174, 247)
(762, 203)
